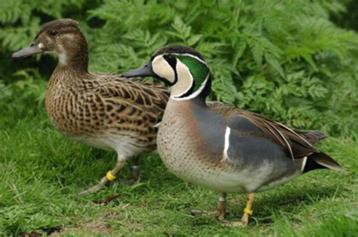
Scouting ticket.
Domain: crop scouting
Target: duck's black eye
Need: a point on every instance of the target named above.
(53, 32)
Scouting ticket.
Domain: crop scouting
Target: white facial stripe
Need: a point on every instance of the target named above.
(41, 45)
(184, 78)
(193, 56)
(226, 144)
(196, 93)
(163, 69)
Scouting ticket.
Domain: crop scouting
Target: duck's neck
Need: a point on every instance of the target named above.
(74, 57)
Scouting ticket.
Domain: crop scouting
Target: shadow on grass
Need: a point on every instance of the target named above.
(290, 201)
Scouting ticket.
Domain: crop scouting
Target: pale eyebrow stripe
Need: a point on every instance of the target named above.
(189, 55)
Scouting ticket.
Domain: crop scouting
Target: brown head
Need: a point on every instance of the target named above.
(62, 37)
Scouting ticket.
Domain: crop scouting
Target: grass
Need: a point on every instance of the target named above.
(41, 173)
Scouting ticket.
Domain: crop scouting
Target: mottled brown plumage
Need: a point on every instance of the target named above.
(89, 106)
(102, 110)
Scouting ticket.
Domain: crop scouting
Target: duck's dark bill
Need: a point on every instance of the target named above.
(143, 71)
(28, 51)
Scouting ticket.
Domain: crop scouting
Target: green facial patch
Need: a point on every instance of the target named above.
(198, 69)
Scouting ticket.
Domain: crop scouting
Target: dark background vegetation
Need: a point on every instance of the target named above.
(295, 61)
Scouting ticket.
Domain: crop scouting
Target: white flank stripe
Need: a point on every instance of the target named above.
(304, 163)
(227, 144)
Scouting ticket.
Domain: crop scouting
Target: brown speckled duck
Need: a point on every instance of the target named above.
(102, 110)
(222, 147)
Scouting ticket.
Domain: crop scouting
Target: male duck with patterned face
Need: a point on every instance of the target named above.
(225, 149)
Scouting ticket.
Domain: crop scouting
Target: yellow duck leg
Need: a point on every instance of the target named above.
(248, 209)
(247, 213)
(110, 176)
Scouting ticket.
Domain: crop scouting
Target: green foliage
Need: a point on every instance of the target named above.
(20, 19)
(22, 98)
(349, 17)
(287, 60)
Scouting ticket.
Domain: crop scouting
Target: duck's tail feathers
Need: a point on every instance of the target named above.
(321, 160)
